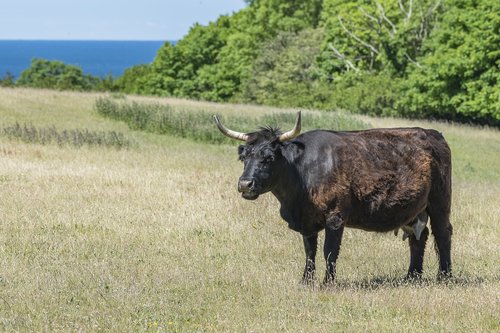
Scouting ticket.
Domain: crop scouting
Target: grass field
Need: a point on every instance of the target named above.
(155, 237)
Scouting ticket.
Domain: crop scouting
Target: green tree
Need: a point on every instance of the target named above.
(428, 58)
(376, 35)
(7, 80)
(459, 76)
(285, 72)
(212, 61)
(175, 68)
(133, 80)
(107, 83)
(367, 92)
(56, 75)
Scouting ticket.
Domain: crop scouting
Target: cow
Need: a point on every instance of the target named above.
(376, 180)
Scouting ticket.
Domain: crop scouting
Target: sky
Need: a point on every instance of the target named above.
(108, 19)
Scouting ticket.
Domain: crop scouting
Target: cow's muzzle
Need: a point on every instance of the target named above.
(245, 185)
(246, 188)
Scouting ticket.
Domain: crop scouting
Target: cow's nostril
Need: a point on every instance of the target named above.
(244, 185)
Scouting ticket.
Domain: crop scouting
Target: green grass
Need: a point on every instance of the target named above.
(75, 137)
(197, 123)
(156, 238)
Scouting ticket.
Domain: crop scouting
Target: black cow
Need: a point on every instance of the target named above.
(376, 180)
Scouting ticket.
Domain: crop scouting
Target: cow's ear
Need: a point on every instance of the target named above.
(292, 150)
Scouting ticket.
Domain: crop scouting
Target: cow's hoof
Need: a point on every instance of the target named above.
(308, 281)
(413, 277)
(444, 276)
(328, 282)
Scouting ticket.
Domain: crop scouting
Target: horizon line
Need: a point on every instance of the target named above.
(83, 40)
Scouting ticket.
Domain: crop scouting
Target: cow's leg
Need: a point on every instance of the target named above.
(333, 238)
(417, 248)
(310, 247)
(442, 231)
(438, 207)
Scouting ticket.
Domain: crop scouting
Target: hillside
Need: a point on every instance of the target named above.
(153, 236)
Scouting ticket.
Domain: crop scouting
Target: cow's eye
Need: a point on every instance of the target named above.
(241, 153)
(267, 155)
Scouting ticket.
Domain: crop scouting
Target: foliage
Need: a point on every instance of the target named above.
(436, 59)
(212, 61)
(53, 74)
(372, 93)
(75, 137)
(56, 75)
(106, 83)
(175, 67)
(376, 35)
(199, 125)
(285, 73)
(429, 58)
(459, 78)
(132, 80)
(7, 80)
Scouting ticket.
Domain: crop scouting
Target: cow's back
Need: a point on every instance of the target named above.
(381, 176)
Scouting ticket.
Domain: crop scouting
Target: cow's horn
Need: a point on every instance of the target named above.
(293, 132)
(230, 133)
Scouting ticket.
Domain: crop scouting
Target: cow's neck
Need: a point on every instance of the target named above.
(290, 193)
(288, 186)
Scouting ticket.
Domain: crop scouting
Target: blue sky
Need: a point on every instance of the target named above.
(108, 19)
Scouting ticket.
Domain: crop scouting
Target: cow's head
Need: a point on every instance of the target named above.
(262, 157)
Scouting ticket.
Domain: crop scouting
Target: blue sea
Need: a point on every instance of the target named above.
(98, 58)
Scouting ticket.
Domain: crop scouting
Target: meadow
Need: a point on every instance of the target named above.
(153, 236)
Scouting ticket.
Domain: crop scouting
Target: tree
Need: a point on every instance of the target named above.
(285, 73)
(376, 35)
(175, 68)
(56, 75)
(133, 80)
(459, 77)
(213, 61)
(427, 58)
(7, 80)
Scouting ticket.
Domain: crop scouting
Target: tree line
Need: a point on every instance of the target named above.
(436, 59)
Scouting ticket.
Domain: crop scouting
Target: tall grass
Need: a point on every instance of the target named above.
(75, 137)
(199, 126)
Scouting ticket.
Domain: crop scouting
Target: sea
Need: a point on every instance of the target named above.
(98, 58)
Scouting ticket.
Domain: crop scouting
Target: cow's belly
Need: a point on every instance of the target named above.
(380, 225)
(384, 219)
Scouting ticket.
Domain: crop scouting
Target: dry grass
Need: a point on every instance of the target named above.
(155, 238)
